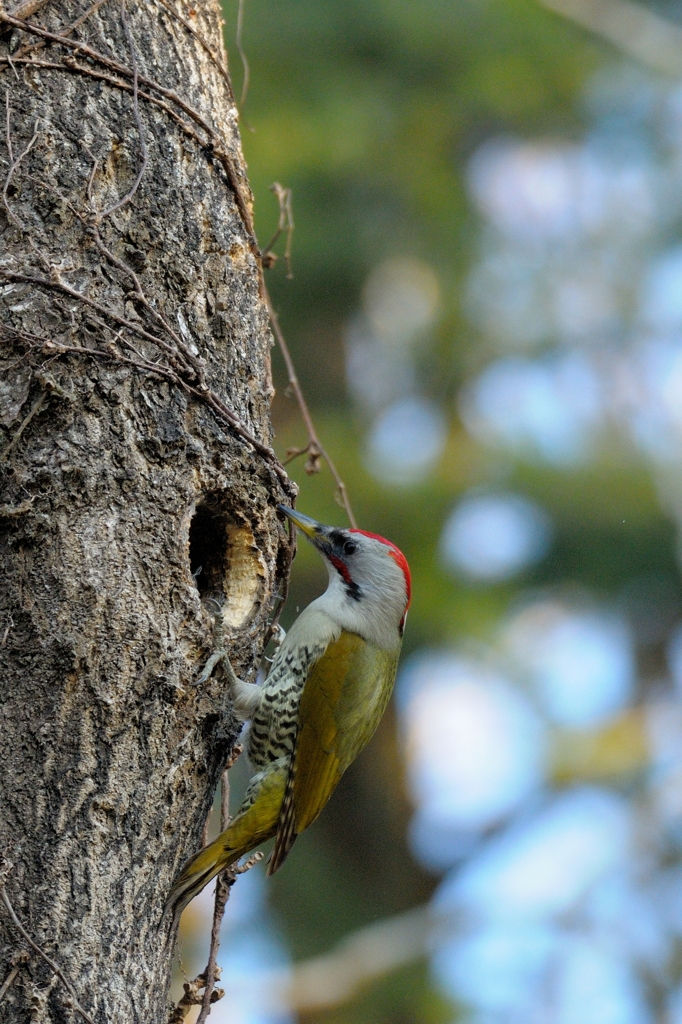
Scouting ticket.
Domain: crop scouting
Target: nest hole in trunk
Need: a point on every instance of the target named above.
(224, 560)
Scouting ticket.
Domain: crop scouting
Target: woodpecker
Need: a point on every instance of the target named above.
(324, 696)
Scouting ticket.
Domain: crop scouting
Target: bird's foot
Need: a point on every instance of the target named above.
(278, 637)
(245, 696)
(219, 655)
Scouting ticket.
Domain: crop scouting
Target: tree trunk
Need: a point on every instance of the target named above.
(138, 489)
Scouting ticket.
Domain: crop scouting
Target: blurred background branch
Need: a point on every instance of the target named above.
(362, 957)
(634, 29)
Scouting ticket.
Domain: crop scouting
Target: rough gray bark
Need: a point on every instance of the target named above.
(126, 231)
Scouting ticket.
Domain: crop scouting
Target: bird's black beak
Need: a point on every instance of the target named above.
(310, 527)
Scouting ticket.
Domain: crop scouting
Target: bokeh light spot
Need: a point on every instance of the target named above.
(541, 868)
(406, 440)
(475, 745)
(494, 536)
(581, 661)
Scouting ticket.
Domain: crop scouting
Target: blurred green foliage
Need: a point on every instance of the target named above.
(370, 111)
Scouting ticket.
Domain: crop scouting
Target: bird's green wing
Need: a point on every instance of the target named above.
(343, 700)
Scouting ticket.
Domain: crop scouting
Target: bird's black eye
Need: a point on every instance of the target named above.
(350, 547)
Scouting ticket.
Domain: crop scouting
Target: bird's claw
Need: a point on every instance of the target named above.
(219, 654)
(215, 658)
(278, 637)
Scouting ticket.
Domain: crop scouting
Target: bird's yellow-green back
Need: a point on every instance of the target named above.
(343, 699)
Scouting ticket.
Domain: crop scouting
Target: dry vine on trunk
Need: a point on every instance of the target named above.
(138, 486)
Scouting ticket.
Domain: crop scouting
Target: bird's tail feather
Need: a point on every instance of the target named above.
(199, 870)
(255, 823)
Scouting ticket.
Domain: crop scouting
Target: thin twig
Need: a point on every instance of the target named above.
(14, 163)
(224, 883)
(26, 8)
(56, 282)
(22, 427)
(48, 960)
(288, 196)
(8, 131)
(225, 794)
(91, 179)
(11, 64)
(315, 449)
(17, 961)
(286, 223)
(8, 981)
(10, 621)
(67, 31)
(207, 979)
(242, 54)
(191, 998)
(202, 42)
(55, 349)
(136, 114)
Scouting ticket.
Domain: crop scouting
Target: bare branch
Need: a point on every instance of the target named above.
(67, 31)
(226, 879)
(224, 883)
(91, 179)
(314, 449)
(14, 70)
(136, 114)
(633, 28)
(8, 981)
(192, 997)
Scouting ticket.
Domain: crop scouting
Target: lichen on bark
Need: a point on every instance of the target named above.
(137, 483)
